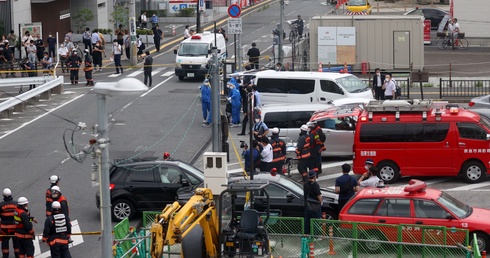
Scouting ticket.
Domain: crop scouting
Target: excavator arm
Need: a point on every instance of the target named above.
(176, 221)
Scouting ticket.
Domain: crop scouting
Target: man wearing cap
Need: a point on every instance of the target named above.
(312, 193)
(7, 227)
(254, 56)
(369, 178)
(317, 140)
(346, 186)
(278, 150)
(260, 129)
(303, 152)
(205, 89)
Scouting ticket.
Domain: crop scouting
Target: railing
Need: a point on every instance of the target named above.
(463, 88)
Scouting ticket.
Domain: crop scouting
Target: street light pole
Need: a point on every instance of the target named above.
(105, 193)
(133, 61)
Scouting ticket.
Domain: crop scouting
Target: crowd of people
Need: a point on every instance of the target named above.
(17, 223)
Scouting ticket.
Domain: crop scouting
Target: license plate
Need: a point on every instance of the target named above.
(190, 74)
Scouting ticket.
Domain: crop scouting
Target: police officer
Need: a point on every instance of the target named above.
(24, 230)
(303, 152)
(7, 226)
(55, 181)
(57, 232)
(278, 150)
(58, 197)
(73, 63)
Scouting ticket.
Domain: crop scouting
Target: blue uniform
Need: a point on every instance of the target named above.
(236, 103)
(206, 102)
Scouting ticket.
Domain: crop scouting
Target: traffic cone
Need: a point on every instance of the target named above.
(320, 67)
(312, 250)
(173, 30)
(345, 68)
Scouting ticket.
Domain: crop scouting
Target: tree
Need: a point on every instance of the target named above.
(120, 16)
(83, 16)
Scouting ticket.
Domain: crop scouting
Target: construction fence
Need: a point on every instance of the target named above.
(328, 238)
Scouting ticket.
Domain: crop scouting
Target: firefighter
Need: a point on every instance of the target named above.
(24, 230)
(55, 181)
(88, 69)
(303, 152)
(58, 197)
(57, 232)
(73, 63)
(317, 140)
(7, 226)
(278, 150)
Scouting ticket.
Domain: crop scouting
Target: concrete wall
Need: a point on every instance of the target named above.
(473, 17)
(374, 38)
(21, 13)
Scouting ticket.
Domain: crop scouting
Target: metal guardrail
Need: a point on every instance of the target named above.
(47, 84)
(463, 88)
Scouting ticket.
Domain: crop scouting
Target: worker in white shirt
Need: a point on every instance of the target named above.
(143, 20)
(266, 154)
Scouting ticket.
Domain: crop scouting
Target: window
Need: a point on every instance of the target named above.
(352, 84)
(298, 118)
(192, 49)
(471, 131)
(404, 132)
(364, 207)
(141, 174)
(275, 191)
(394, 208)
(170, 175)
(331, 87)
(301, 86)
(276, 119)
(455, 206)
(428, 209)
(272, 85)
(382, 133)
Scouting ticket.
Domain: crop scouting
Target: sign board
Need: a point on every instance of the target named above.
(64, 16)
(427, 32)
(337, 45)
(201, 5)
(132, 29)
(234, 11)
(35, 29)
(235, 26)
(443, 23)
(175, 6)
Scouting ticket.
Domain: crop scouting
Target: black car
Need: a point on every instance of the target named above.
(147, 184)
(435, 15)
(286, 197)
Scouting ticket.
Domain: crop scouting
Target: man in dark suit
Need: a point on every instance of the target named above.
(147, 69)
(378, 81)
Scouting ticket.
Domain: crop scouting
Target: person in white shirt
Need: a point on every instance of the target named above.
(266, 154)
(63, 53)
(389, 87)
(95, 37)
(372, 178)
(187, 34)
(143, 20)
(454, 29)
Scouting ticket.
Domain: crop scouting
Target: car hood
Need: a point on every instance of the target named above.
(329, 195)
(478, 219)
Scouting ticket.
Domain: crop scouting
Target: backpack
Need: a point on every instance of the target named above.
(142, 44)
(398, 88)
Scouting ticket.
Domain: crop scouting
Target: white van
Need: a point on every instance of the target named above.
(194, 54)
(309, 87)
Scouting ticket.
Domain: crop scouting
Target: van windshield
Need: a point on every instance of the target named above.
(485, 122)
(357, 2)
(352, 84)
(193, 49)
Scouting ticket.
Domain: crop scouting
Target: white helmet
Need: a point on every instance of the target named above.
(7, 192)
(56, 205)
(55, 188)
(304, 128)
(53, 179)
(275, 130)
(22, 201)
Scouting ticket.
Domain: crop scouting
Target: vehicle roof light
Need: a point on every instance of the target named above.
(370, 116)
(424, 116)
(196, 37)
(397, 116)
(454, 110)
(363, 119)
(415, 186)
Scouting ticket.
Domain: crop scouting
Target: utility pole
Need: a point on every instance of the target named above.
(133, 61)
(215, 99)
(240, 53)
(281, 30)
(198, 19)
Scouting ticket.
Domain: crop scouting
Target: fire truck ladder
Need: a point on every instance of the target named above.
(398, 106)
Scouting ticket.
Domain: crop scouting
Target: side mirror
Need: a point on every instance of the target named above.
(175, 51)
(289, 197)
(449, 216)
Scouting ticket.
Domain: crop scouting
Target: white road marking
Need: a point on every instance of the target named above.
(134, 74)
(156, 86)
(114, 75)
(157, 71)
(77, 239)
(169, 73)
(469, 187)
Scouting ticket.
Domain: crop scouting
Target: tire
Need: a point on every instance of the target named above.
(482, 239)
(388, 171)
(121, 209)
(193, 244)
(181, 77)
(473, 172)
(462, 44)
(442, 44)
(373, 246)
(331, 215)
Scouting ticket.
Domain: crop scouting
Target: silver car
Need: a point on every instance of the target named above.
(479, 102)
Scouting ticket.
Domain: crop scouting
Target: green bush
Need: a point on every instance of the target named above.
(144, 32)
(186, 12)
(478, 84)
(105, 31)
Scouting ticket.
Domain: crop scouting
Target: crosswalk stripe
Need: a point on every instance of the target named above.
(114, 75)
(157, 71)
(167, 73)
(134, 74)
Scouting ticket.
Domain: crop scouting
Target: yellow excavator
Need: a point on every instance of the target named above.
(205, 234)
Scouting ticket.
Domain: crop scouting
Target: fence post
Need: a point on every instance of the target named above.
(330, 241)
(399, 248)
(355, 235)
(440, 88)
(312, 250)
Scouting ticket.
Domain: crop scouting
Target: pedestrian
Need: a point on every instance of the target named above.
(346, 186)
(143, 20)
(47, 63)
(13, 40)
(97, 53)
(253, 56)
(154, 20)
(8, 56)
(389, 88)
(254, 151)
(147, 68)
(57, 232)
(280, 67)
(7, 226)
(116, 55)
(87, 39)
(24, 230)
(69, 45)
(102, 40)
(378, 81)
(278, 149)
(312, 200)
(69, 35)
(223, 32)
(370, 178)
(205, 89)
(157, 37)
(26, 40)
(317, 146)
(257, 98)
(31, 51)
(39, 48)
(94, 39)
(54, 180)
(245, 103)
(73, 63)
(63, 54)
(119, 35)
(141, 46)
(56, 196)
(266, 154)
(235, 100)
(51, 45)
(127, 46)
(29, 68)
(187, 33)
(88, 68)
(300, 23)
(275, 44)
(303, 152)
(260, 129)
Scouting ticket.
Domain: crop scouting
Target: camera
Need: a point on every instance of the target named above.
(243, 145)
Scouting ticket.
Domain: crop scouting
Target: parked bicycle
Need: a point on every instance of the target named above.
(460, 42)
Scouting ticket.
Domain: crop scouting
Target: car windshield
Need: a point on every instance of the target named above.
(456, 207)
(357, 2)
(193, 170)
(485, 122)
(291, 185)
(193, 49)
(352, 84)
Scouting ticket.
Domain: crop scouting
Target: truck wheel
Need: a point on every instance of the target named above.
(122, 209)
(193, 243)
(388, 171)
(181, 77)
(473, 172)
